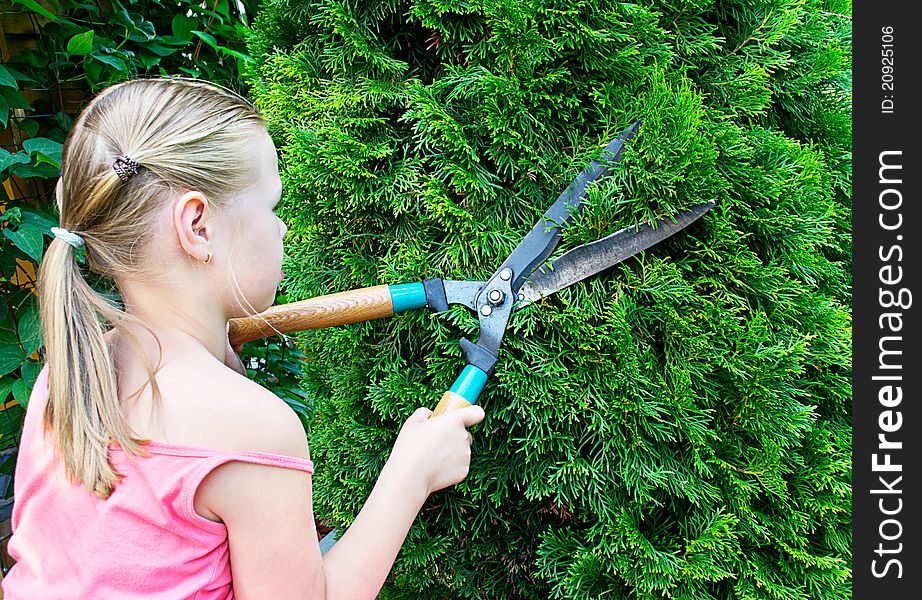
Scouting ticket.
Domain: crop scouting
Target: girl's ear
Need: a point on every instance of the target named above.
(189, 221)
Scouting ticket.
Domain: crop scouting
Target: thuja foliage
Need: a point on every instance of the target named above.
(677, 427)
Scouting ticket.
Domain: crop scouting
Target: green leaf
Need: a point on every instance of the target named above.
(172, 40)
(12, 215)
(21, 392)
(63, 120)
(14, 99)
(7, 79)
(81, 44)
(6, 385)
(235, 54)
(8, 336)
(8, 159)
(47, 150)
(30, 370)
(36, 7)
(160, 49)
(27, 238)
(8, 466)
(44, 169)
(211, 41)
(115, 62)
(18, 75)
(30, 330)
(10, 358)
(93, 69)
(39, 219)
(29, 127)
(148, 59)
(207, 38)
(143, 30)
(183, 26)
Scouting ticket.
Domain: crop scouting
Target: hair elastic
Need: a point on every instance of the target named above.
(125, 167)
(71, 238)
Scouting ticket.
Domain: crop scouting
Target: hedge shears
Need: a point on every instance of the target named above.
(522, 279)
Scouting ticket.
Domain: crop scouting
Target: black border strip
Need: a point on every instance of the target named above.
(886, 339)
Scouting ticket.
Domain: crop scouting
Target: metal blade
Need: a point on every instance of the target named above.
(540, 242)
(587, 260)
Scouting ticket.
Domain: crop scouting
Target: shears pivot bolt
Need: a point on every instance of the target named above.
(496, 297)
(486, 309)
(505, 274)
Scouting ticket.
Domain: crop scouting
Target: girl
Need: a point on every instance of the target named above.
(149, 467)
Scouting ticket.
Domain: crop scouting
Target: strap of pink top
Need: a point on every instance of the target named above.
(211, 463)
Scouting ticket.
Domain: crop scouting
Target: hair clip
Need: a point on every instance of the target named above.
(125, 167)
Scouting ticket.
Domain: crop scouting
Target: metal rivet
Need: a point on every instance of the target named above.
(521, 296)
(486, 309)
(505, 274)
(496, 297)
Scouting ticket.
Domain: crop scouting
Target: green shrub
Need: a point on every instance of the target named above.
(678, 427)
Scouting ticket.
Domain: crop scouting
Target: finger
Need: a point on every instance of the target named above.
(420, 414)
(470, 415)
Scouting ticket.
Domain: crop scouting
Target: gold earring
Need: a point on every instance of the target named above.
(207, 259)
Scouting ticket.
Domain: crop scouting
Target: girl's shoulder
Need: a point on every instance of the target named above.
(208, 405)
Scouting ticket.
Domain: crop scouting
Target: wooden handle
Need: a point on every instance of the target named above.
(463, 393)
(450, 401)
(353, 306)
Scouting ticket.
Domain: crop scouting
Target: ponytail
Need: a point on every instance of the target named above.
(83, 409)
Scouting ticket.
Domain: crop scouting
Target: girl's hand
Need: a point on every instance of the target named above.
(232, 360)
(435, 453)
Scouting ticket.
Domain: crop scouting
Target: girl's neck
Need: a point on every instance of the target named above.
(180, 318)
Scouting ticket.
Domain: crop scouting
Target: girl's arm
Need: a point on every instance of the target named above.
(357, 565)
(268, 511)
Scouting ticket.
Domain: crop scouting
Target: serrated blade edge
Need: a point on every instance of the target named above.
(594, 257)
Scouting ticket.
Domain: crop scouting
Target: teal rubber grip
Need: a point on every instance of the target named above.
(407, 296)
(469, 383)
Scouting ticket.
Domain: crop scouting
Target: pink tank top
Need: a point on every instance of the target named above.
(145, 541)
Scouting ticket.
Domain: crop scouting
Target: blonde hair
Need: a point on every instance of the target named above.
(185, 135)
